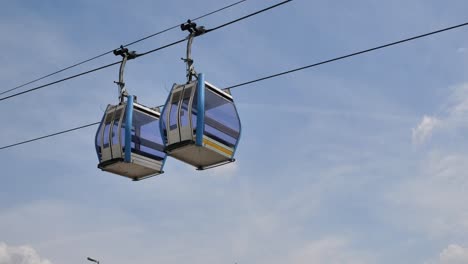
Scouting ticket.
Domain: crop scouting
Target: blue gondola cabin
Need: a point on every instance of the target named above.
(128, 141)
(200, 124)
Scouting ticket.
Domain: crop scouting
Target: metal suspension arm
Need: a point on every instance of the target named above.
(126, 55)
(190, 69)
(194, 31)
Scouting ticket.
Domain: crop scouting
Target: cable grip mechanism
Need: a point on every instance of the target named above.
(194, 31)
(126, 55)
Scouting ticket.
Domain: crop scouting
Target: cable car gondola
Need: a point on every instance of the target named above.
(199, 123)
(128, 140)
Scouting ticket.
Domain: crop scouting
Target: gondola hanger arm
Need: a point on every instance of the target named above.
(194, 31)
(126, 55)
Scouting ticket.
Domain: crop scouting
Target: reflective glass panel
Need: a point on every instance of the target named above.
(221, 119)
(174, 111)
(115, 127)
(107, 124)
(146, 136)
(184, 115)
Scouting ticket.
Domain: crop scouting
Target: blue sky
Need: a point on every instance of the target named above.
(358, 161)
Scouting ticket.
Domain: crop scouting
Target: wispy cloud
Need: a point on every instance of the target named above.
(20, 255)
(452, 117)
(424, 129)
(430, 200)
(453, 254)
(433, 201)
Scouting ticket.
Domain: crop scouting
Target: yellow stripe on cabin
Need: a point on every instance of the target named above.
(218, 147)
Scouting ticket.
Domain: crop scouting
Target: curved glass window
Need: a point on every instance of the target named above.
(221, 120)
(99, 140)
(194, 110)
(115, 127)
(146, 136)
(184, 115)
(173, 115)
(107, 125)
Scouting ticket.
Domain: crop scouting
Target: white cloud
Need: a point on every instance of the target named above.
(453, 254)
(424, 130)
(453, 117)
(433, 201)
(20, 255)
(457, 103)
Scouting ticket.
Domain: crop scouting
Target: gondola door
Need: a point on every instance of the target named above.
(172, 115)
(181, 120)
(111, 133)
(185, 113)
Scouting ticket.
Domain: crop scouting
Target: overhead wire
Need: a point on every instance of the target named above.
(277, 74)
(50, 135)
(59, 81)
(126, 45)
(141, 54)
(218, 27)
(351, 55)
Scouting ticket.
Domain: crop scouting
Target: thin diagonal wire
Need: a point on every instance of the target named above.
(50, 135)
(139, 55)
(247, 16)
(274, 75)
(177, 26)
(350, 55)
(223, 25)
(109, 52)
(59, 81)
